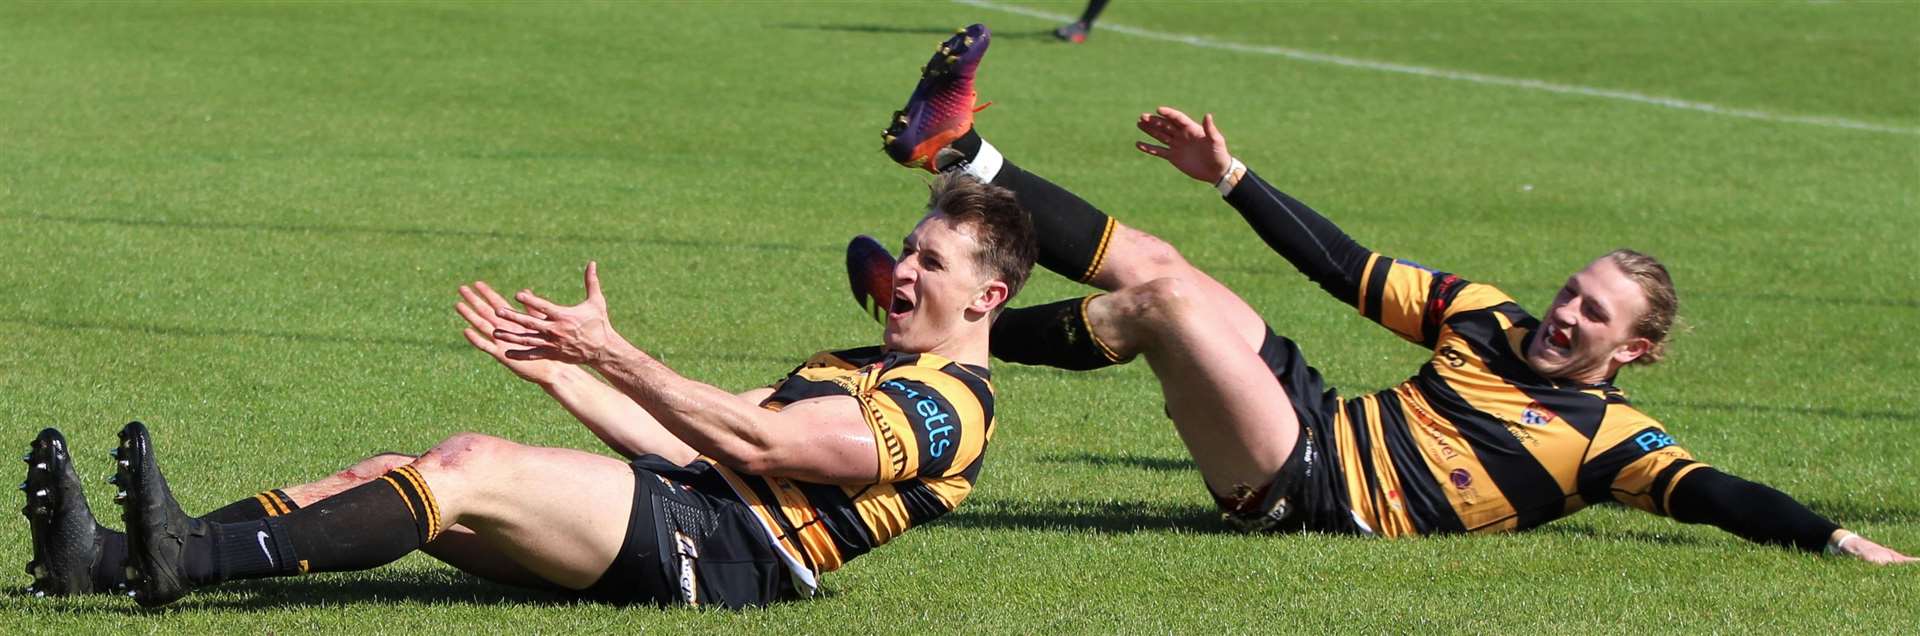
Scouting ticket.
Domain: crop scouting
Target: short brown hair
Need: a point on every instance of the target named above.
(1663, 304)
(1002, 228)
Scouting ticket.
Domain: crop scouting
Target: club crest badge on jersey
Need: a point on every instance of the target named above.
(1536, 414)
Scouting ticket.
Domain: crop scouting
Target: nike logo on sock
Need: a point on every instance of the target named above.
(262, 535)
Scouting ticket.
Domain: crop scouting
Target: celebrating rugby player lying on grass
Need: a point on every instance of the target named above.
(1514, 422)
(728, 500)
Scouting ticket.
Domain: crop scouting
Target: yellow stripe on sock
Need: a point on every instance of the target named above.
(403, 495)
(426, 499)
(433, 504)
(285, 501)
(1104, 349)
(1100, 253)
(266, 503)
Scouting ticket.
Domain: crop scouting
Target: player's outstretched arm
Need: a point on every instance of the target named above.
(1309, 241)
(823, 440)
(1762, 514)
(613, 417)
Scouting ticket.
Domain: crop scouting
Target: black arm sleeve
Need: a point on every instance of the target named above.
(1753, 511)
(1313, 244)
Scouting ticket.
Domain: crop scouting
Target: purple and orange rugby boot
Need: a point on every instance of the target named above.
(942, 106)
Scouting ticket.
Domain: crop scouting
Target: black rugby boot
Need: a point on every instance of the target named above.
(157, 530)
(66, 539)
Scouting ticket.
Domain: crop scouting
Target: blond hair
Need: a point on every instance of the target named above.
(1663, 304)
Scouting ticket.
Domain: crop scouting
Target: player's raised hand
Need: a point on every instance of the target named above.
(1195, 148)
(578, 334)
(478, 303)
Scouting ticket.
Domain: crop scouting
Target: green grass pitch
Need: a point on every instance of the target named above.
(244, 224)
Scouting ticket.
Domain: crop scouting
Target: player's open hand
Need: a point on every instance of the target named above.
(578, 334)
(1860, 548)
(1195, 148)
(478, 303)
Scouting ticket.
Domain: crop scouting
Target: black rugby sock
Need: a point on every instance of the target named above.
(1093, 12)
(1055, 334)
(272, 503)
(1071, 233)
(109, 567)
(367, 526)
(968, 145)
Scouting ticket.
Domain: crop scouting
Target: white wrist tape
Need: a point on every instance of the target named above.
(1840, 546)
(1227, 182)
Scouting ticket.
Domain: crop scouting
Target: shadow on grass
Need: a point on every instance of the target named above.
(1904, 417)
(1584, 531)
(895, 29)
(440, 587)
(433, 587)
(1844, 512)
(1160, 464)
(436, 232)
(1099, 517)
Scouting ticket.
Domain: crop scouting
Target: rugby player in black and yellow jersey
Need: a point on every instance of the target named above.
(1514, 422)
(726, 500)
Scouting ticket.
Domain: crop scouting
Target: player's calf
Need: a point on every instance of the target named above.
(170, 553)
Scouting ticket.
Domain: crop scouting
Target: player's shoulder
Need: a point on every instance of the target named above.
(1626, 424)
(845, 358)
(1449, 293)
(930, 368)
(921, 376)
(1619, 409)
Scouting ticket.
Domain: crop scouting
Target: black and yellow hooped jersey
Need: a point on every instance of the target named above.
(931, 420)
(1476, 441)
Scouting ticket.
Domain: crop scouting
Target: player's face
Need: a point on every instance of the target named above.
(938, 289)
(1587, 332)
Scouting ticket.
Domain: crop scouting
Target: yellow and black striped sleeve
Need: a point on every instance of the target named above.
(1407, 298)
(1413, 301)
(1634, 462)
(927, 422)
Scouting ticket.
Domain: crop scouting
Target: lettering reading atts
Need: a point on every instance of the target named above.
(933, 418)
(1653, 440)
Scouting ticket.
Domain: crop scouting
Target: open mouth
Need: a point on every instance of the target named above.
(1559, 339)
(900, 307)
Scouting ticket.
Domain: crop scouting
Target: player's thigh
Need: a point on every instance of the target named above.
(560, 512)
(1137, 258)
(1234, 416)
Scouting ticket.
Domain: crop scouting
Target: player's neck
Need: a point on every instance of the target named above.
(966, 348)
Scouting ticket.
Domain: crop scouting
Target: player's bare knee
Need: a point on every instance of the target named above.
(1166, 301)
(372, 467)
(466, 451)
(1148, 257)
(381, 463)
(1130, 319)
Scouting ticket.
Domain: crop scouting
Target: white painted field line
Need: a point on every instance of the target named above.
(1461, 76)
